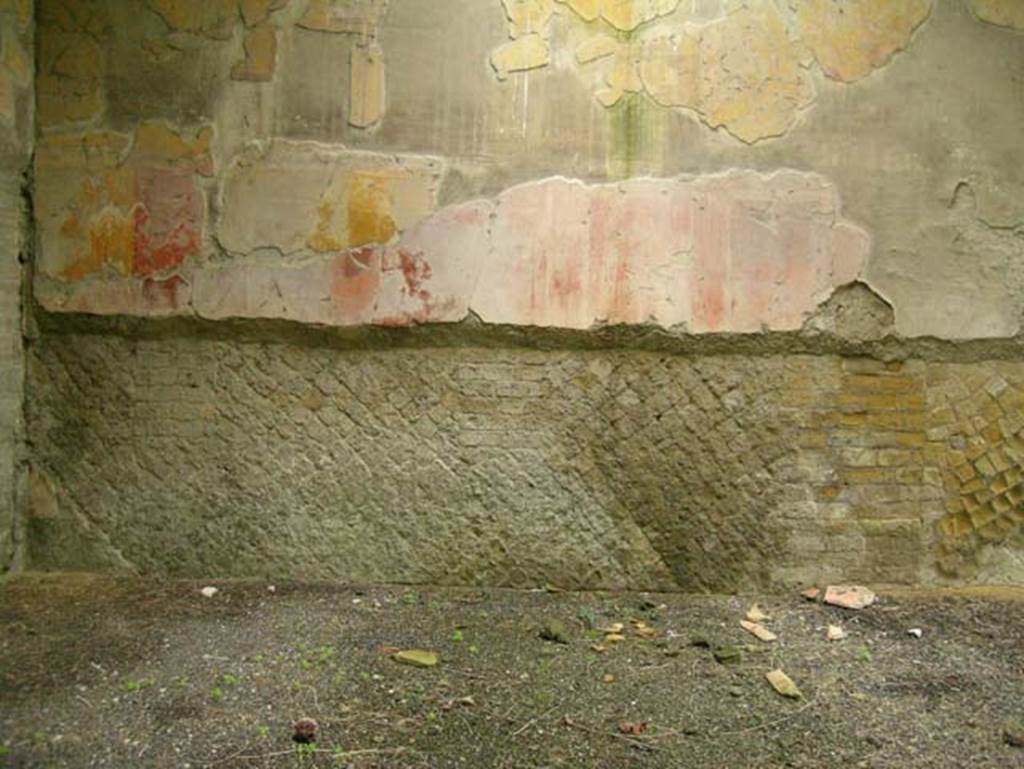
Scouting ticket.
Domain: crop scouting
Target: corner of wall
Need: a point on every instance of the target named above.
(17, 130)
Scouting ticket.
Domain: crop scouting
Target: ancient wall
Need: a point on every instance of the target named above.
(15, 244)
(662, 293)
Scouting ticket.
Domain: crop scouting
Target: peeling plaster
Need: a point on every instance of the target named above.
(623, 15)
(737, 252)
(123, 204)
(351, 17)
(741, 71)
(1003, 13)
(291, 196)
(527, 17)
(70, 63)
(214, 19)
(255, 12)
(260, 55)
(851, 39)
(366, 63)
(981, 268)
(525, 53)
(366, 100)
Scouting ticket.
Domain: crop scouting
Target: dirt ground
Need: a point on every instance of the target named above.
(102, 672)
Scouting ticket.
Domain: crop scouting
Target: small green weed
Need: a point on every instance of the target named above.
(132, 685)
(305, 752)
(589, 617)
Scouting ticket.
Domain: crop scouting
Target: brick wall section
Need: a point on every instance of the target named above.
(16, 128)
(863, 485)
(598, 469)
(885, 472)
(815, 550)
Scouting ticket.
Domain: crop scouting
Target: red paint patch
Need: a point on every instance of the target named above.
(711, 263)
(416, 304)
(168, 219)
(162, 294)
(415, 270)
(356, 284)
(428, 313)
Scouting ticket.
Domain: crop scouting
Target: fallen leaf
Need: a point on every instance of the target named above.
(633, 728)
(728, 655)
(754, 614)
(614, 638)
(849, 596)
(835, 633)
(417, 658)
(783, 684)
(599, 648)
(758, 630)
(646, 632)
(458, 701)
(615, 627)
(608, 678)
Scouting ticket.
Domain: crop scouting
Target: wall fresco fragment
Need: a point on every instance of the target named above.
(119, 205)
(357, 243)
(736, 252)
(851, 39)
(742, 71)
(292, 196)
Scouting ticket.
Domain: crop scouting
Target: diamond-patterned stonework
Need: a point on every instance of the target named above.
(977, 417)
(465, 466)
